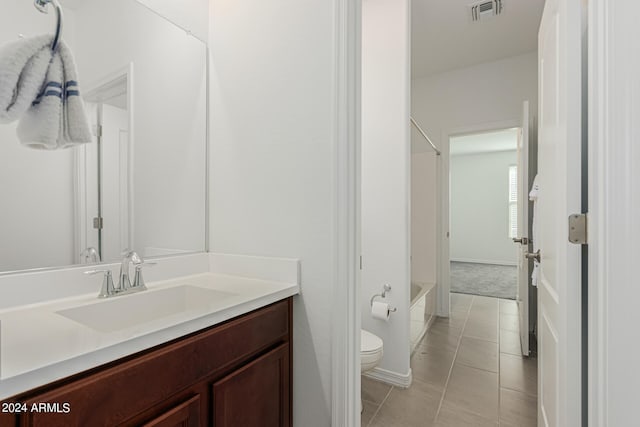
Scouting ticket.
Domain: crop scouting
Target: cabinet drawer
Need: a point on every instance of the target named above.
(131, 386)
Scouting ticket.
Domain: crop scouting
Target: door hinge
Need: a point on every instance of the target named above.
(578, 229)
(98, 223)
(360, 262)
(99, 131)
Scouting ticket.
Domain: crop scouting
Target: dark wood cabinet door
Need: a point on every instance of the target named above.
(186, 414)
(256, 395)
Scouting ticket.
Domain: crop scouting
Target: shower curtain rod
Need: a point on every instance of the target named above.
(413, 122)
(41, 5)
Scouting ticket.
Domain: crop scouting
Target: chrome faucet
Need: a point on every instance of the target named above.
(124, 286)
(131, 257)
(128, 258)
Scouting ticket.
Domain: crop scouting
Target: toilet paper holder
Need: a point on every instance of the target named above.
(385, 289)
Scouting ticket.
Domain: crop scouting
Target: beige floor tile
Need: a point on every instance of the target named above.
(368, 412)
(486, 302)
(455, 416)
(415, 406)
(510, 343)
(460, 301)
(489, 317)
(484, 308)
(474, 390)
(509, 322)
(481, 330)
(490, 383)
(508, 306)
(441, 338)
(478, 354)
(518, 409)
(456, 319)
(432, 366)
(374, 391)
(519, 373)
(447, 325)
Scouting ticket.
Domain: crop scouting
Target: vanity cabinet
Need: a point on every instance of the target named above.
(233, 374)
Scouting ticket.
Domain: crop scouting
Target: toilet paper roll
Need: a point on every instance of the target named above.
(380, 310)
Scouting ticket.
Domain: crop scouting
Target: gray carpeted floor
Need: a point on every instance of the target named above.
(499, 281)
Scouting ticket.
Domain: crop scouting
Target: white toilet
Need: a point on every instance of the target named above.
(370, 350)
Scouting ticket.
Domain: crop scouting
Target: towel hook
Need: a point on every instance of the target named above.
(41, 5)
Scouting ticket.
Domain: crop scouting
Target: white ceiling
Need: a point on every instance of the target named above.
(488, 142)
(71, 4)
(444, 38)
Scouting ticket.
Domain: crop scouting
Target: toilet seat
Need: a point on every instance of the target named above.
(371, 349)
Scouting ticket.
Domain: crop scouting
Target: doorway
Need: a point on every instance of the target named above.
(484, 213)
(105, 201)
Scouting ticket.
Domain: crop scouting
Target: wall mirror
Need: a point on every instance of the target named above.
(141, 182)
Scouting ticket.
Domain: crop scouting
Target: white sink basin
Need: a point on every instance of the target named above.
(125, 311)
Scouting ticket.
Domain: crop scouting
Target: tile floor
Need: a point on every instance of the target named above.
(467, 371)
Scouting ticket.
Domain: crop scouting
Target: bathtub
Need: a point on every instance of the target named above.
(422, 309)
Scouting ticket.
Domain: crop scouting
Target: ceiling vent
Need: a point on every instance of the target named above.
(485, 10)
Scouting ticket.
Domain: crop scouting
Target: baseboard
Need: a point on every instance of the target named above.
(485, 261)
(390, 377)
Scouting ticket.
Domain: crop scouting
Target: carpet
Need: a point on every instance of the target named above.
(499, 281)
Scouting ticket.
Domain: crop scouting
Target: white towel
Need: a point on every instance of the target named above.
(23, 67)
(55, 116)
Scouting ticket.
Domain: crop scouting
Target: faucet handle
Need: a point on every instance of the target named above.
(138, 281)
(108, 289)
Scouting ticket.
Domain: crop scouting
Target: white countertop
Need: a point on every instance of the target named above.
(38, 345)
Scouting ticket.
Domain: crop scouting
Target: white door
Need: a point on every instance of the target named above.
(522, 241)
(559, 140)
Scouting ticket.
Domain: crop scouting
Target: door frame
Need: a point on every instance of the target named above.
(345, 340)
(443, 202)
(80, 161)
(613, 211)
(346, 300)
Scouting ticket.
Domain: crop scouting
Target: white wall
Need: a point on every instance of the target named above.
(486, 93)
(487, 96)
(192, 15)
(386, 173)
(423, 217)
(480, 208)
(272, 163)
(36, 187)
